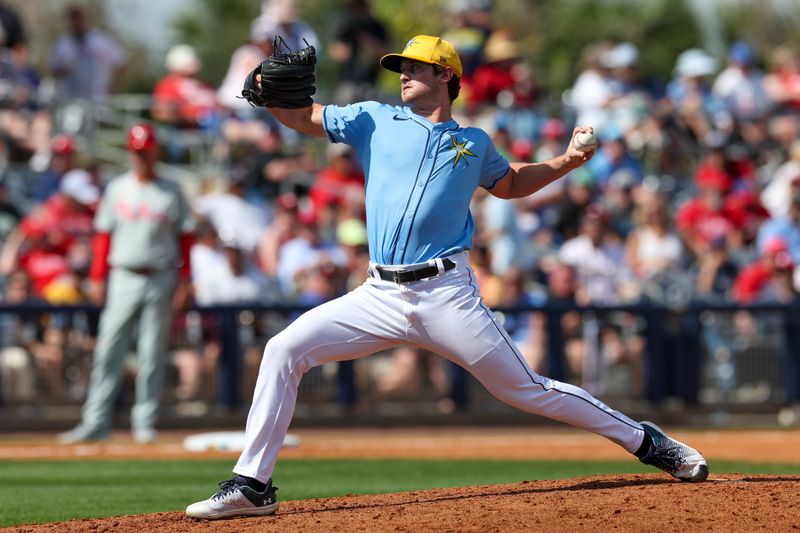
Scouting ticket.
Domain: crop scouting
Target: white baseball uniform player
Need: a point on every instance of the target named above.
(144, 227)
(421, 171)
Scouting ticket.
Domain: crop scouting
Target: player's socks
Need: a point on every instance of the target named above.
(645, 447)
(253, 483)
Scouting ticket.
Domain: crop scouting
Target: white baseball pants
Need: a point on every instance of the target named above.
(443, 314)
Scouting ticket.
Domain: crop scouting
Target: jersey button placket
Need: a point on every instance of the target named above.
(422, 178)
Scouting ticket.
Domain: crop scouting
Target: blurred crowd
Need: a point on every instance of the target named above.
(693, 194)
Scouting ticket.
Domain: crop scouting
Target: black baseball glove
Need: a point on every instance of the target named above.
(287, 78)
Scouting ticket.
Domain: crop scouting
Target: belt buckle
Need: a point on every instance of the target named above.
(396, 276)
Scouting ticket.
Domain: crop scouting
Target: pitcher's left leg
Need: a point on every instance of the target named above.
(455, 323)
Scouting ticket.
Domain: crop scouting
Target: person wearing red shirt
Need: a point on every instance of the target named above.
(339, 181)
(181, 98)
(758, 281)
(503, 72)
(704, 219)
(43, 243)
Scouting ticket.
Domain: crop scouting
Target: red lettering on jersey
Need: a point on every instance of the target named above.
(138, 213)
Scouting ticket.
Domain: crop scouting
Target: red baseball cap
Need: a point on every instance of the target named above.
(712, 178)
(63, 144)
(775, 245)
(553, 129)
(142, 137)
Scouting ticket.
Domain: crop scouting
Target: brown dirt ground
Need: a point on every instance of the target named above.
(729, 502)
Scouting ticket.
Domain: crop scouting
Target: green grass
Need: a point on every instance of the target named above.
(51, 491)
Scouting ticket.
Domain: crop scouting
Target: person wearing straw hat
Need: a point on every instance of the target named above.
(421, 170)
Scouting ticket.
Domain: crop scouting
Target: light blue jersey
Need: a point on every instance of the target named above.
(420, 178)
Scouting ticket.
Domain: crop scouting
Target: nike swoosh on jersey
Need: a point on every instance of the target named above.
(399, 117)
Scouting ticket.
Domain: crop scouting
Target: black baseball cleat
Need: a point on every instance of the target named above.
(673, 457)
(236, 498)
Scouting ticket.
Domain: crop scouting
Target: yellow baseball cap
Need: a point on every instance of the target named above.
(428, 49)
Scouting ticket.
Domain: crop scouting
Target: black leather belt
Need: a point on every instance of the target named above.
(412, 273)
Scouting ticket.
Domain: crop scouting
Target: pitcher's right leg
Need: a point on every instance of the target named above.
(358, 324)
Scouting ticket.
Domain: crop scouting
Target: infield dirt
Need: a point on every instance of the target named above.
(651, 502)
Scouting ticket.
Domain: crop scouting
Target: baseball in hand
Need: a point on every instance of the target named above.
(584, 141)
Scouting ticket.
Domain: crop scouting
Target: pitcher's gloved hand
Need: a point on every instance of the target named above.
(287, 78)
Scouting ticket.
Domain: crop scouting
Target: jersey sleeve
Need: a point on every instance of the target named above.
(185, 221)
(351, 124)
(495, 166)
(104, 218)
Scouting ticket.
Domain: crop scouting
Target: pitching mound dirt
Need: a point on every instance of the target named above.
(620, 503)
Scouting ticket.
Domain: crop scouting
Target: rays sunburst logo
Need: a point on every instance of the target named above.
(462, 152)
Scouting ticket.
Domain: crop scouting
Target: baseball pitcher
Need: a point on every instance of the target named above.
(421, 170)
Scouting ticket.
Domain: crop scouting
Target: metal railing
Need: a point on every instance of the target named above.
(712, 355)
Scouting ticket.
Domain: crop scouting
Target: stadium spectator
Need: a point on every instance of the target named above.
(352, 236)
(282, 229)
(236, 279)
(594, 89)
(703, 219)
(242, 62)
(305, 251)
(340, 182)
(580, 192)
(503, 79)
(636, 92)
(653, 248)
(206, 255)
(284, 22)
(500, 234)
(765, 280)
(32, 356)
(230, 212)
(228, 278)
(47, 239)
(740, 85)
(778, 192)
(181, 99)
(562, 291)
(782, 82)
(619, 198)
(541, 209)
(597, 255)
(488, 282)
(14, 35)
(521, 325)
(612, 157)
(86, 61)
(469, 26)
(359, 41)
(18, 81)
(410, 369)
(603, 278)
(241, 123)
(785, 227)
(18, 338)
(694, 106)
(62, 160)
(273, 169)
